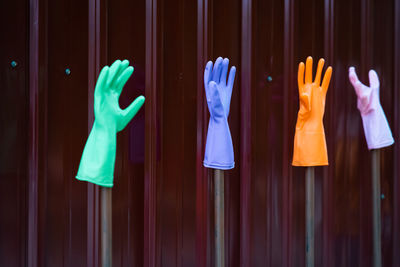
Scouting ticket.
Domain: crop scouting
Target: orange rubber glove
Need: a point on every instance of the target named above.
(309, 140)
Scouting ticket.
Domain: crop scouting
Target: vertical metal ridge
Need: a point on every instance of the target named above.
(365, 35)
(33, 149)
(152, 132)
(328, 172)
(245, 131)
(201, 178)
(97, 56)
(365, 204)
(180, 179)
(37, 131)
(287, 169)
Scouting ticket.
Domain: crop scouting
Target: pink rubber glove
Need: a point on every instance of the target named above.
(376, 127)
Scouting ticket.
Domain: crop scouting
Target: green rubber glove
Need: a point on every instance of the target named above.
(98, 158)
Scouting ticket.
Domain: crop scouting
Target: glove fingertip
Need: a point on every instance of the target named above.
(117, 62)
(207, 71)
(130, 69)
(231, 78)
(104, 72)
(140, 100)
(101, 80)
(373, 78)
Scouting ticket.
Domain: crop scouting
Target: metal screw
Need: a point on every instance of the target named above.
(67, 71)
(13, 64)
(382, 196)
(269, 79)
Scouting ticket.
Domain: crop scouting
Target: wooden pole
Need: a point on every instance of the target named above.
(310, 217)
(219, 218)
(106, 226)
(376, 207)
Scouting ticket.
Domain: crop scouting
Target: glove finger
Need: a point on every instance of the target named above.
(373, 79)
(207, 77)
(217, 70)
(300, 76)
(224, 72)
(124, 65)
(102, 80)
(214, 95)
(123, 78)
(317, 80)
(327, 79)
(217, 106)
(309, 63)
(113, 72)
(208, 73)
(130, 112)
(229, 88)
(231, 79)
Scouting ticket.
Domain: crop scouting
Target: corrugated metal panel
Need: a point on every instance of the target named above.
(162, 206)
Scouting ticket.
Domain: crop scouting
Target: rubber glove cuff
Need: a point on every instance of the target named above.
(219, 147)
(98, 157)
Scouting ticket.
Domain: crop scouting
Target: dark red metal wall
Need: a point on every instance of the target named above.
(162, 198)
(14, 105)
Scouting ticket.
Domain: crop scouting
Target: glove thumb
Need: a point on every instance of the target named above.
(130, 112)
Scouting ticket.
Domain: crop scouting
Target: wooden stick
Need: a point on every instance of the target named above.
(376, 207)
(219, 218)
(106, 226)
(310, 217)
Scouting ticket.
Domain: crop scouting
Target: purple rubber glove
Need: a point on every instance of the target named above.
(376, 127)
(219, 147)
